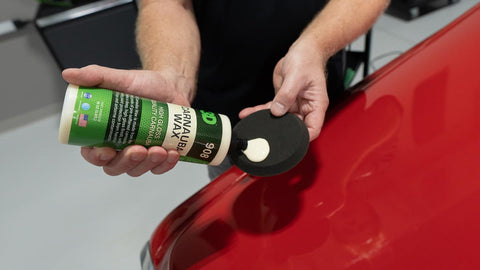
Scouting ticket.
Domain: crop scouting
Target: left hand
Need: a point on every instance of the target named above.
(164, 86)
(300, 87)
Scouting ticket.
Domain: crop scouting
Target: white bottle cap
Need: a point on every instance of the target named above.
(67, 113)
(225, 142)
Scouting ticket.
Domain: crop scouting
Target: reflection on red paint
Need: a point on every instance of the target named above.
(428, 122)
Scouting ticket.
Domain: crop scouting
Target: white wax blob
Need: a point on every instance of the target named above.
(257, 150)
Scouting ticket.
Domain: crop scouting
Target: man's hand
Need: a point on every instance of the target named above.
(162, 86)
(299, 78)
(300, 86)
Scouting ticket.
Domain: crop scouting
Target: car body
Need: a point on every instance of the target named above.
(393, 181)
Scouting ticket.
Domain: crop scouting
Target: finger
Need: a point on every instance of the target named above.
(286, 95)
(168, 164)
(315, 119)
(156, 156)
(278, 75)
(126, 160)
(98, 156)
(247, 111)
(104, 77)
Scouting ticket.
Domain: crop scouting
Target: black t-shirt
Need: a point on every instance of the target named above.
(242, 41)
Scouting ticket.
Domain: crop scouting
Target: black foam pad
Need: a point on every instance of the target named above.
(287, 136)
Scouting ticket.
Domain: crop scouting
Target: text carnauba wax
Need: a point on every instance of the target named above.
(100, 117)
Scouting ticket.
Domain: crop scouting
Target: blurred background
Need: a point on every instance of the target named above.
(56, 211)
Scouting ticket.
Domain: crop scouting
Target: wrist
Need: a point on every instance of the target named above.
(310, 46)
(183, 82)
(187, 84)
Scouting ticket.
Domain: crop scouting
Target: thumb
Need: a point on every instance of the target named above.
(94, 75)
(286, 96)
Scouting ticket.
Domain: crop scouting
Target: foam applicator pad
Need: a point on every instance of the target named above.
(287, 137)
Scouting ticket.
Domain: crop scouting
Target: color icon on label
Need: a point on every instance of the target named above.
(82, 121)
(85, 106)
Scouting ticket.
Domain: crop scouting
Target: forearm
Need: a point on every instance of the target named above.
(168, 40)
(340, 23)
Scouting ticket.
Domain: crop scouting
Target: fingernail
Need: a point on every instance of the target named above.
(136, 157)
(70, 70)
(105, 156)
(173, 158)
(278, 109)
(155, 158)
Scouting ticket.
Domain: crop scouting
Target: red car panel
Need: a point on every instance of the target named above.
(393, 181)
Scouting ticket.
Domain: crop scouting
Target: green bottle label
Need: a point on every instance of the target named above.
(90, 117)
(107, 118)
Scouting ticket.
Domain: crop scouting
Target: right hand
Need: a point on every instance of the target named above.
(167, 87)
